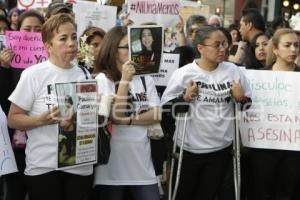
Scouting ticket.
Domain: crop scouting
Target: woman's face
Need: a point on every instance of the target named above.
(3, 27)
(261, 48)
(14, 18)
(213, 49)
(63, 46)
(31, 24)
(288, 48)
(95, 45)
(147, 39)
(234, 35)
(122, 54)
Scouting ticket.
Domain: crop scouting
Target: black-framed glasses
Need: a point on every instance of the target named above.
(218, 45)
(123, 47)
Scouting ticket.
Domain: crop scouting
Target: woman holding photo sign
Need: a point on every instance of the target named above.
(209, 86)
(30, 112)
(146, 50)
(136, 105)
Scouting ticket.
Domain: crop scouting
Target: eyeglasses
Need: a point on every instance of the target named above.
(218, 45)
(123, 47)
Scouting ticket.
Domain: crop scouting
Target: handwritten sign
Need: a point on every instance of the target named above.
(170, 62)
(7, 159)
(273, 121)
(33, 4)
(158, 11)
(28, 48)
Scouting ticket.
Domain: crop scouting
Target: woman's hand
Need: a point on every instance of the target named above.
(51, 116)
(237, 91)
(128, 71)
(5, 57)
(191, 91)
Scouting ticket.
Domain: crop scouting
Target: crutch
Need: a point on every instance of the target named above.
(237, 154)
(176, 156)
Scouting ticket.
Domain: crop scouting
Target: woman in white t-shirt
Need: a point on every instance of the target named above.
(130, 168)
(206, 89)
(29, 111)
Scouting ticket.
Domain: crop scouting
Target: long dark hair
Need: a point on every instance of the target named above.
(251, 61)
(106, 59)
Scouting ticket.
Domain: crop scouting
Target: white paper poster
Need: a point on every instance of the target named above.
(158, 11)
(170, 62)
(77, 136)
(7, 159)
(273, 121)
(94, 14)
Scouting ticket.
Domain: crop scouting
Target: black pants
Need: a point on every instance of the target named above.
(276, 173)
(59, 185)
(136, 192)
(202, 174)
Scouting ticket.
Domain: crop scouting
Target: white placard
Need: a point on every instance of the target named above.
(273, 121)
(7, 159)
(93, 14)
(33, 4)
(170, 62)
(157, 11)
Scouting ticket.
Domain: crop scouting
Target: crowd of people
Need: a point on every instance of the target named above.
(207, 85)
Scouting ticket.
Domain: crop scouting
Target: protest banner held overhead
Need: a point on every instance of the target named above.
(157, 11)
(98, 15)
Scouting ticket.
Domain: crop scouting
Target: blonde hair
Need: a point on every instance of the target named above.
(274, 42)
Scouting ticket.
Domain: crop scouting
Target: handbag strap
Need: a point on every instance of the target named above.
(144, 83)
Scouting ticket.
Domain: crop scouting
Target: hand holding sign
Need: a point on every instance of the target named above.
(28, 48)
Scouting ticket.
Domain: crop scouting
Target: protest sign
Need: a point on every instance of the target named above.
(170, 62)
(157, 11)
(7, 159)
(77, 136)
(189, 8)
(145, 47)
(98, 15)
(33, 4)
(28, 48)
(273, 120)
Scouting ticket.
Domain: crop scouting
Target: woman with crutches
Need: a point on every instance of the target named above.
(209, 86)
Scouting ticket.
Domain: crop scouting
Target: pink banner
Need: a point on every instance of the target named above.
(28, 48)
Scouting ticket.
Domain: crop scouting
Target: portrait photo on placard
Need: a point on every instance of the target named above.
(146, 48)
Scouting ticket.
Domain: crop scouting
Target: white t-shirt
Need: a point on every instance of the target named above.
(210, 126)
(130, 160)
(30, 95)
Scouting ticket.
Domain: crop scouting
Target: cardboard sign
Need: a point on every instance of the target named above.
(273, 120)
(28, 48)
